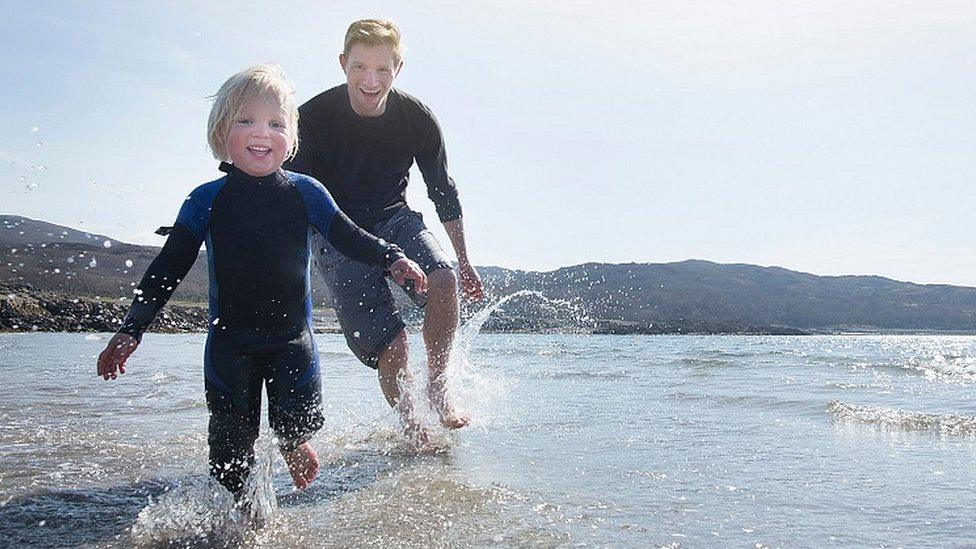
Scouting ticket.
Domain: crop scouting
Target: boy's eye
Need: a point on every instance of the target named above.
(244, 120)
(278, 125)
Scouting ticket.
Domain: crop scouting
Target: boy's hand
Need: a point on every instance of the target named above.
(115, 354)
(404, 270)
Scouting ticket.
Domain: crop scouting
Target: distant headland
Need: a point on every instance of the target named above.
(55, 278)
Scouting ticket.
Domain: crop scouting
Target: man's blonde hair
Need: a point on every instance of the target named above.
(374, 32)
(264, 81)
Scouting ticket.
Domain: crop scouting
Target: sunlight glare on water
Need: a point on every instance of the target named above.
(596, 440)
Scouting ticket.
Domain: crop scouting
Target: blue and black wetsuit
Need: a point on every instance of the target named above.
(257, 233)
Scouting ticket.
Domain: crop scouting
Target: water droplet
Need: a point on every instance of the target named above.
(107, 243)
(71, 259)
(355, 334)
(216, 321)
(128, 263)
(93, 263)
(34, 129)
(92, 183)
(40, 144)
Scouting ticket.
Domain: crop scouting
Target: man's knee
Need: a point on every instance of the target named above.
(442, 283)
(396, 349)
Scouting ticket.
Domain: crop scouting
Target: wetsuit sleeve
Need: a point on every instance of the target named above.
(432, 161)
(355, 243)
(347, 237)
(161, 278)
(174, 260)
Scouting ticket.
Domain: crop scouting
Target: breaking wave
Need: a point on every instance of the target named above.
(890, 418)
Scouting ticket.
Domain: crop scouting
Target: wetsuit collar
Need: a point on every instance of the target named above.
(231, 169)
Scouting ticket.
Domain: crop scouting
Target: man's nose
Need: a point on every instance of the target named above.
(371, 78)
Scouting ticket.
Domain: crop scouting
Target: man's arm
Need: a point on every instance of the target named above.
(471, 284)
(432, 161)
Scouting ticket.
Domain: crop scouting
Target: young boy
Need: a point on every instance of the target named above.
(256, 222)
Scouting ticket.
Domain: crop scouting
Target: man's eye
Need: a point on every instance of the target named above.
(384, 70)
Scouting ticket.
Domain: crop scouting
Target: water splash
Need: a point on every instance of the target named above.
(259, 491)
(479, 391)
(198, 510)
(561, 316)
(203, 511)
(471, 328)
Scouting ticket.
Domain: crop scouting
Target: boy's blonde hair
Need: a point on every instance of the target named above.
(264, 81)
(374, 32)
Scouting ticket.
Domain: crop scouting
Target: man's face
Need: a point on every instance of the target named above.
(370, 72)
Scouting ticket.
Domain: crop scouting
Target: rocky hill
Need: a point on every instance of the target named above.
(688, 296)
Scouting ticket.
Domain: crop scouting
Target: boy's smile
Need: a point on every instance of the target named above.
(257, 141)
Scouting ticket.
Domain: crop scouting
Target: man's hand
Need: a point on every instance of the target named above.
(471, 285)
(115, 354)
(404, 270)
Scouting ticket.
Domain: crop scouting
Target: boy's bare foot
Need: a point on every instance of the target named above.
(303, 464)
(450, 416)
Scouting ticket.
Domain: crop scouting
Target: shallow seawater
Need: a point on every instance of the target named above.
(575, 441)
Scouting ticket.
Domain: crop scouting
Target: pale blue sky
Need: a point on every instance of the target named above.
(826, 136)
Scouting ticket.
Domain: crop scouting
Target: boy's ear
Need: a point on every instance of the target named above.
(342, 62)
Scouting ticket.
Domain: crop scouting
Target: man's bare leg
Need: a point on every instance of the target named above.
(394, 375)
(440, 324)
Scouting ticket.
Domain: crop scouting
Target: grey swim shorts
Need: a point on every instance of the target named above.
(361, 294)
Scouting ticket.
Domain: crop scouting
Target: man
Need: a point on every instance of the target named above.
(360, 140)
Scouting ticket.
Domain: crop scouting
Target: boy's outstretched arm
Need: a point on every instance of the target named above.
(161, 278)
(355, 243)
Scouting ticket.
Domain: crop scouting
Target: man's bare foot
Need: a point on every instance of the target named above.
(450, 416)
(303, 464)
(420, 439)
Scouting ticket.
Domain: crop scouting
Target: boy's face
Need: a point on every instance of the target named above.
(257, 141)
(370, 71)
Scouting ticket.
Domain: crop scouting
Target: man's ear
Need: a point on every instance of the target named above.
(342, 62)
